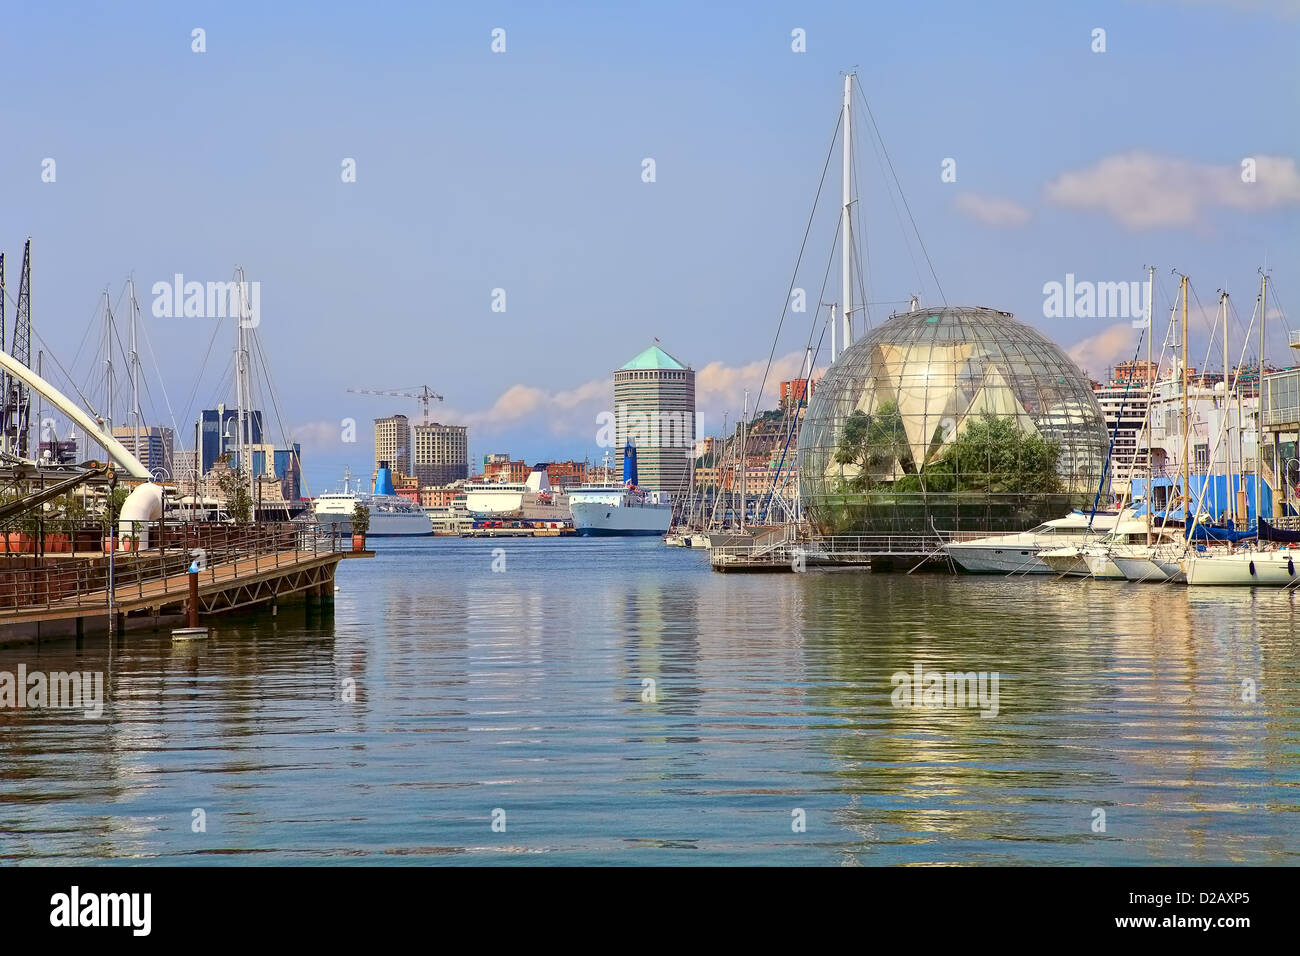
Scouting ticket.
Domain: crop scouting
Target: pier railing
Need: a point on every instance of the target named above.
(832, 549)
(154, 557)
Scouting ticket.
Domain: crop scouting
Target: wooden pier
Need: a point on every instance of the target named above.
(240, 567)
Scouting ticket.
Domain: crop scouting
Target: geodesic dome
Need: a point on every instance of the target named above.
(955, 419)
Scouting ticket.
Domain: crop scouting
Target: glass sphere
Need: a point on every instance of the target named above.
(955, 419)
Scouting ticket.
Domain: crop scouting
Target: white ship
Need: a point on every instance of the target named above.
(616, 510)
(1020, 553)
(531, 498)
(620, 509)
(391, 515)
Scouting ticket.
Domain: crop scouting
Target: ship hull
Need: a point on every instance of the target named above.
(980, 560)
(602, 519)
(1269, 570)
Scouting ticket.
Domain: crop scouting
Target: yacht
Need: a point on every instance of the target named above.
(1020, 552)
(391, 515)
(1125, 553)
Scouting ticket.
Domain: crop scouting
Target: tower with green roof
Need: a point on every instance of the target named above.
(654, 407)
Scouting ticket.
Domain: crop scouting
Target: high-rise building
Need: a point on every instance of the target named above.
(441, 454)
(288, 466)
(152, 445)
(1124, 405)
(654, 408)
(393, 443)
(219, 433)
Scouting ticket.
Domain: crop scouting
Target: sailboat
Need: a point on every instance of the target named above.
(1255, 567)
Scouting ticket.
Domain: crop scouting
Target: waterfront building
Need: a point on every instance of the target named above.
(1124, 404)
(152, 445)
(408, 487)
(1281, 411)
(183, 464)
(441, 496)
(1139, 372)
(952, 418)
(288, 466)
(219, 432)
(393, 443)
(440, 454)
(564, 473)
(501, 468)
(794, 393)
(654, 408)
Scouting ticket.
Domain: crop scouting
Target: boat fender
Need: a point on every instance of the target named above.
(1290, 565)
(1252, 568)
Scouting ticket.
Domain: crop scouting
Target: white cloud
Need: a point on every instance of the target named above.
(993, 210)
(1144, 191)
(721, 388)
(1097, 353)
(316, 435)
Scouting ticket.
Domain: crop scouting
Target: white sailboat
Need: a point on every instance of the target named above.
(1260, 566)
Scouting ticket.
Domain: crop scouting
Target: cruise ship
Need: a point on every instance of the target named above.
(620, 509)
(391, 515)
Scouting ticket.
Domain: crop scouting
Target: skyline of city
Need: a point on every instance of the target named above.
(1094, 188)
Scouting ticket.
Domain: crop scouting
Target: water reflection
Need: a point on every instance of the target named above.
(523, 690)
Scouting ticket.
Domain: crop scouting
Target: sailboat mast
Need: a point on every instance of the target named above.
(135, 373)
(108, 364)
(1227, 407)
(1151, 389)
(832, 333)
(846, 228)
(1186, 497)
(1259, 417)
(242, 396)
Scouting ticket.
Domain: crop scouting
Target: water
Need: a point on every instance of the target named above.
(522, 691)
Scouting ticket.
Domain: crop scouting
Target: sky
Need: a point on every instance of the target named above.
(523, 170)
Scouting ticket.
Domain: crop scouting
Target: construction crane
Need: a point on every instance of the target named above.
(424, 394)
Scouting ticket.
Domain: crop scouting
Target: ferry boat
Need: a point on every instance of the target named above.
(391, 515)
(620, 509)
(501, 499)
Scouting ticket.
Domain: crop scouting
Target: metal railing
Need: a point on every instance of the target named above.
(832, 548)
(152, 559)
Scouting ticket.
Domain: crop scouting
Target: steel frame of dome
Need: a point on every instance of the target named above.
(924, 380)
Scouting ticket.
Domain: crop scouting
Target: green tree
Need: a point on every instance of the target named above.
(234, 489)
(994, 455)
(360, 520)
(876, 444)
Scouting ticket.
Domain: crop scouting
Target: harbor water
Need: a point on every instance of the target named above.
(613, 701)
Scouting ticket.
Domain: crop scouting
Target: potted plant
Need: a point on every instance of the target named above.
(112, 508)
(69, 514)
(360, 525)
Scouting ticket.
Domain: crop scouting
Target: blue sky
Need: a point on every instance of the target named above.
(522, 171)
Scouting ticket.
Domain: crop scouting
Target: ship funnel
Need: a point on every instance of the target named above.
(384, 480)
(538, 479)
(629, 465)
